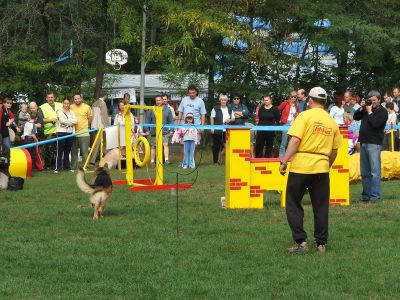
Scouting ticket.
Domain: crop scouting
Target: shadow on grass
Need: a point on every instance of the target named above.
(87, 211)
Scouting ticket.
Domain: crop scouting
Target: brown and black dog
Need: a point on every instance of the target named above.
(100, 190)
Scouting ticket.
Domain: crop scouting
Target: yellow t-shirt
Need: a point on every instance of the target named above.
(82, 112)
(319, 134)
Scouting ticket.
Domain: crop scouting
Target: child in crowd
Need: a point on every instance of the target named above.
(137, 129)
(23, 116)
(353, 134)
(29, 136)
(189, 138)
(392, 119)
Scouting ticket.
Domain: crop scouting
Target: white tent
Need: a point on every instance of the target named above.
(117, 85)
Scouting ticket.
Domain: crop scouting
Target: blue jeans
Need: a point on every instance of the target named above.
(81, 144)
(284, 141)
(370, 163)
(7, 142)
(188, 157)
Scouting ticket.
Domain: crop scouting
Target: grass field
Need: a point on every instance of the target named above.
(51, 248)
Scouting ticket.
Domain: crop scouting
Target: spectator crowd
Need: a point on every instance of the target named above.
(32, 123)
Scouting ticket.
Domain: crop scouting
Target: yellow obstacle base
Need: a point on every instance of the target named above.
(390, 166)
(246, 178)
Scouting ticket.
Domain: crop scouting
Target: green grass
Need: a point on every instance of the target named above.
(51, 248)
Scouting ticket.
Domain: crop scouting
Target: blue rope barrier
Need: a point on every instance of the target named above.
(54, 140)
(199, 127)
(253, 128)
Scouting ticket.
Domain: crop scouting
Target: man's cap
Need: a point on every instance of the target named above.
(317, 93)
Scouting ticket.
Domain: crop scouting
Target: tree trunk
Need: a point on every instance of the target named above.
(101, 57)
(303, 55)
(46, 28)
(153, 32)
(79, 62)
(342, 60)
(79, 24)
(211, 83)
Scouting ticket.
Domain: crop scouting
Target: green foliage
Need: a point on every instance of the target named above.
(242, 43)
(23, 71)
(128, 19)
(178, 79)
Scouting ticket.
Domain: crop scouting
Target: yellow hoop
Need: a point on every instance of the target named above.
(146, 158)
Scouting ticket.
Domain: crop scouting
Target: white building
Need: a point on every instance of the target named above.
(117, 85)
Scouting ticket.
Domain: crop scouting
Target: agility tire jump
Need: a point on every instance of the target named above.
(146, 150)
(145, 184)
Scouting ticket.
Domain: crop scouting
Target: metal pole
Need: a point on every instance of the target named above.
(143, 64)
(392, 138)
(119, 147)
(177, 206)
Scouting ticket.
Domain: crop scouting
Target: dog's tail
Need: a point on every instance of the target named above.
(81, 182)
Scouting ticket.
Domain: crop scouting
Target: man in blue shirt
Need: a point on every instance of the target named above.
(166, 119)
(192, 104)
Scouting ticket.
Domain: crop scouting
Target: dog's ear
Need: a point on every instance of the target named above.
(105, 166)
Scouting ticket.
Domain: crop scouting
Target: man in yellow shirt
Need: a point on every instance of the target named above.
(315, 138)
(83, 114)
(49, 111)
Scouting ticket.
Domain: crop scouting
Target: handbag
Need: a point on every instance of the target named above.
(11, 134)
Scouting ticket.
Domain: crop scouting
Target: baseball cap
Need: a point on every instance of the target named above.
(317, 93)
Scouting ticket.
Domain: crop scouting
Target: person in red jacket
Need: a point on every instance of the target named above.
(8, 121)
(289, 109)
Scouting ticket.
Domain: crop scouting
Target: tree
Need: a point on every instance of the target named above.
(245, 46)
(102, 47)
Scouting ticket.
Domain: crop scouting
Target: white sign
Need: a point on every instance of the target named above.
(116, 57)
(112, 137)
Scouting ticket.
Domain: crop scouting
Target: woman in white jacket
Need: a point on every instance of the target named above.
(337, 111)
(65, 126)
